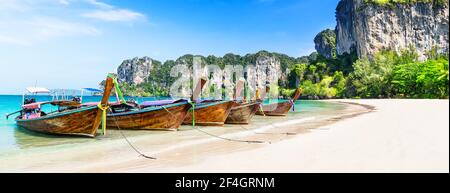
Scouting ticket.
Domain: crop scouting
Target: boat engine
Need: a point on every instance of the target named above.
(29, 101)
(76, 99)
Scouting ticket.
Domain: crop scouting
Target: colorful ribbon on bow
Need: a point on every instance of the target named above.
(103, 108)
(293, 105)
(117, 88)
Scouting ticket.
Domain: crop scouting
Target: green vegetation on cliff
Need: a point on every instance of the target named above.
(387, 74)
(393, 2)
(325, 43)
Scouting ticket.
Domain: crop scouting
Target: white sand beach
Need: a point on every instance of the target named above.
(397, 136)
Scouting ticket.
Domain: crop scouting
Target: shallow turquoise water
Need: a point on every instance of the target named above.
(14, 138)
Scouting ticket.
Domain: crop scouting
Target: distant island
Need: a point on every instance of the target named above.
(379, 49)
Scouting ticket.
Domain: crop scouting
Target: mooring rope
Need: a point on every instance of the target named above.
(128, 141)
(271, 124)
(122, 101)
(220, 137)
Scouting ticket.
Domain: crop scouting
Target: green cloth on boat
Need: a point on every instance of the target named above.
(193, 112)
(117, 88)
(246, 93)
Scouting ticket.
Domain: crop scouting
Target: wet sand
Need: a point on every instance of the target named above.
(366, 135)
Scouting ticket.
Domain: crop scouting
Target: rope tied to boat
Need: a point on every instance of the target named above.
(103, 108)
(193, 112)
(128, 141)
(261, 109)
(216, 136)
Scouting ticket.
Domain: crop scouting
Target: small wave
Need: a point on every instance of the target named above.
(236, 134)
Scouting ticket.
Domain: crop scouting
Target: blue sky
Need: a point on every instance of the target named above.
(75, 43)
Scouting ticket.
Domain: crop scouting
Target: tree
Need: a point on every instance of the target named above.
(372, 78)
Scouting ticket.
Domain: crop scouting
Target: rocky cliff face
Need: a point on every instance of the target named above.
(273, 69)
(368, 28)
(134, 71)
(325, 43)
(264, 66)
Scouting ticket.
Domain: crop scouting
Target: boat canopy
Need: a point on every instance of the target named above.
(92, 89)
(37, 90)
(62, 103)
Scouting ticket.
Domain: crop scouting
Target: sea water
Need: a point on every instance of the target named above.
(14, 138)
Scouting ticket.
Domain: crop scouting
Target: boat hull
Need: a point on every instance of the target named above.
(210, 114)
(168, 117)
(275, 109)
(79, 122)
(242, 113)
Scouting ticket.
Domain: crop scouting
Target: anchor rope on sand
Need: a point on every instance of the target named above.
(220, 137)
(128, 141)
(122, 101)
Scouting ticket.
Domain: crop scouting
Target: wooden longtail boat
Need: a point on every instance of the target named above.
(210, 113)
(151, 117)
(207, 113)
(82, 121)
(242, 112)
(279, 108)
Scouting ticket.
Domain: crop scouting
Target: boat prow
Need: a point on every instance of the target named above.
(279, 108)
(83, 121)
(275, 109)
(242, 113)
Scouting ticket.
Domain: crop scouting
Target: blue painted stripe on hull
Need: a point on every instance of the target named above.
(147, 110)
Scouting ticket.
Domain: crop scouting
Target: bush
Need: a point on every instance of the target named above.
(386, 74)
(321, 89)
(339, 83)
(286, 92)
(427, 79)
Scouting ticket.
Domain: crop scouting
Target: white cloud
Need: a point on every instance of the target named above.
(63, 2)
(100, 4)
(29, 5)
(13, 5)
(114, 15)
(107, 12)
(13, 40)
(27, 32)
(24, 22)
(50, 27)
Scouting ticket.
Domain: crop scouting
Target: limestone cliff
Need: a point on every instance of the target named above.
(325, 43)
(368, 27)
(142, 70)
(134, 71)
